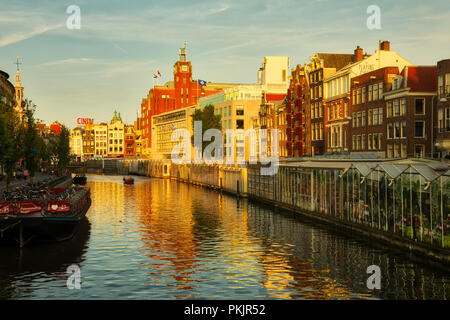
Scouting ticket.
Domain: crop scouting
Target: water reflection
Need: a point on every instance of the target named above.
(160, 239)
(22, 271)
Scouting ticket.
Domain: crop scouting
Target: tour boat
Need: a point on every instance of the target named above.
(81, 180)
(128, 180)
(43, 220)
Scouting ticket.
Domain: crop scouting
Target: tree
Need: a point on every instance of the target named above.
(61, 150)
(209, 121)
(30, 151)
(11, 136)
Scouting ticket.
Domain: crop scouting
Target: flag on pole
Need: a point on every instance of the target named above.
(159, 74)
(201, 82)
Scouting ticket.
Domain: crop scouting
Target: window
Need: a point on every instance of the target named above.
(375, 117)
(354, 97)
(396, 151)
(363, 119)
(240, 124)
(447, 119)
(363, 94)
(380, 90)
(239, 110)
(404, 129)
(420, 106)
(375, 141)
(389, 151)
(389, 109)
(358, 97)
(419, 150)
(390, 131)
(380, 116)
(369, 142)
(369, 117)
(375, 92)
(396, 108)
(363, 142)
(354, 119)
(403, 106)
(419, 129)
(403, 151)
(397, 130)
(370, 93)
(441, 120)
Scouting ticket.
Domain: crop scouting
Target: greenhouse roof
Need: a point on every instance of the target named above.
(430, 170)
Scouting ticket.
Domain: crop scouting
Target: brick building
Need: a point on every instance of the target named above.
(443, 108)
(321, 66)
(337, 94)
(294, 106)
(179, 93)
(410, 113)
(367, 110)
(130, 144)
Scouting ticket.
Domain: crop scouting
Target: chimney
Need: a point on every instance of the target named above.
(358, 56)
(385, 46)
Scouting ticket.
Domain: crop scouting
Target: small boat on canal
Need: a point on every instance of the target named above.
(50, 220)
(128, 180)
(80, 180)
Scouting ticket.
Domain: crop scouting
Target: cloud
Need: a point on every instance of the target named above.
(24, 35)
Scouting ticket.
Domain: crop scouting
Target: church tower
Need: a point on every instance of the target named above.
(18, 92)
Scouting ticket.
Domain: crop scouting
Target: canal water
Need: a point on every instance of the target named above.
(161, 239)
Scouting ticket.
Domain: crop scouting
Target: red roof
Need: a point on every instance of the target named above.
(421, 78)
(275, 96)
(55, 128)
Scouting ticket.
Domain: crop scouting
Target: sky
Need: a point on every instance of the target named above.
(108, 63)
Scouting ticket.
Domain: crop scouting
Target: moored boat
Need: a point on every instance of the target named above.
(81, 180)
(128, 180)
(43, 220)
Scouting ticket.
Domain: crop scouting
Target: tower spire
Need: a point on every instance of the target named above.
(18, 88)
(183, 56)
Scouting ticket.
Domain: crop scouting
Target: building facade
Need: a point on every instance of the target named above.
(116, 136)
(130, 144)
(101, 140)
(443, 109)
(7, 93)
(88, 138)
(321, 66)
(367, 131)
(182, 92)
(76, 143)
(410, 113)
(297, 99)
(337, 94)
